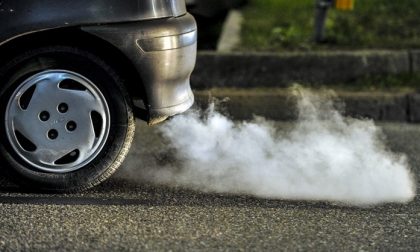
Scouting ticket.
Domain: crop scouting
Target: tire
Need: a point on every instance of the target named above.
(68, 120)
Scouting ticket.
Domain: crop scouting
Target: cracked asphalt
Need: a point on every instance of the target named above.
(127, 214)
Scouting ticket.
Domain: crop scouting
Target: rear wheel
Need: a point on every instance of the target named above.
(68, 122)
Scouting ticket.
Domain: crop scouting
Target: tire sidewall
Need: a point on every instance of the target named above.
(110, 85)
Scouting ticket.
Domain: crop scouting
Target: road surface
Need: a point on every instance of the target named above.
(126, 214)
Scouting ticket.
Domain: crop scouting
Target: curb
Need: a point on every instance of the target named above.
(231, 32)
(277, 104)
(237, 69)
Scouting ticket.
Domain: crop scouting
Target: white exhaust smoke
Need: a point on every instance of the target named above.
(324, 156)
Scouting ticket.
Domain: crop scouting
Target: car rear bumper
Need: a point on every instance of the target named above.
(163, 52)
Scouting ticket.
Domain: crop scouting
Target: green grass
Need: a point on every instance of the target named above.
(278, 25)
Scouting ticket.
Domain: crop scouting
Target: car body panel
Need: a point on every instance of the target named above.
(165, 65)
(22, 16)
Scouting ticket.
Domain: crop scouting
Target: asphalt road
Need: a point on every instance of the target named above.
(126, 214)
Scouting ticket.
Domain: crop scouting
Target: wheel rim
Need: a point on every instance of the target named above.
(57, 121)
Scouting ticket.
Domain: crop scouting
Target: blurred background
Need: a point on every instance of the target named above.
(278, 25)
(318, 26)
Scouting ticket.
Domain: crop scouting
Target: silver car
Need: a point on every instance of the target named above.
(73, 76)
